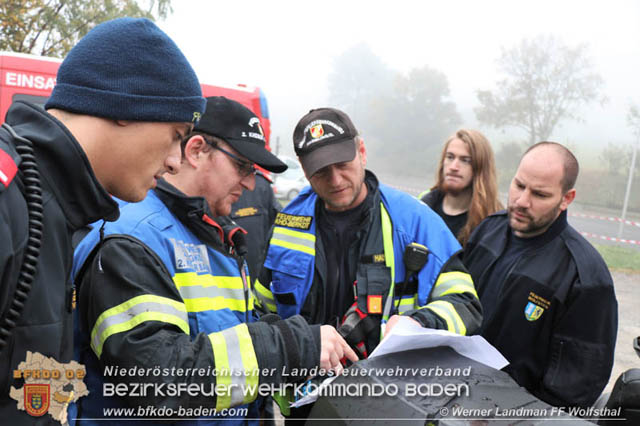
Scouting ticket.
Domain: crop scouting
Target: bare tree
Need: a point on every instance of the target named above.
(401, 116)
(633, 120)
(616, 158)
(53, 27)
(418, 113)
(358, 78)
(545, 83)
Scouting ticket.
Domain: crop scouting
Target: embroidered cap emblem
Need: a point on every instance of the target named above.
(317, 131)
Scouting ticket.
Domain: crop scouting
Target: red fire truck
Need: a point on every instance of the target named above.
(32, 78)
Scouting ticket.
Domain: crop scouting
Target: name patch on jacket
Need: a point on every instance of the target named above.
(191, 256)
(247, 211)
(293, 221)
(535, 307)
(373, 258)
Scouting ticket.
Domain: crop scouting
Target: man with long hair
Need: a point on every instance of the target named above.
(466, 190)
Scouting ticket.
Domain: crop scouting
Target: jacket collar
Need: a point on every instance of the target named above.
(372, 199)
(552, 232)
(64, 168)
(194, 213)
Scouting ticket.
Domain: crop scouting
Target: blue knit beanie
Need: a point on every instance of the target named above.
(128, 69)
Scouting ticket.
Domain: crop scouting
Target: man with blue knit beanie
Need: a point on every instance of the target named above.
(125, 98)
(128, 69)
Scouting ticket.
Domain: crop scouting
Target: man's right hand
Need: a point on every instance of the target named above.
(333, 349)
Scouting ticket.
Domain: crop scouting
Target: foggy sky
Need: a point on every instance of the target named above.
(287, 48)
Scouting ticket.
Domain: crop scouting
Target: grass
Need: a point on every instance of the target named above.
(622, 258)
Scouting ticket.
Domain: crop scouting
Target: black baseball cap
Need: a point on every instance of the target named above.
(323, 137)
(240, 128)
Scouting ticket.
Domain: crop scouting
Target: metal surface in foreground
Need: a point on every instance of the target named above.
(492, 395)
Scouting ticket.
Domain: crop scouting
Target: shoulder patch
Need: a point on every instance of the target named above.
(244, 212)
(536, 305)
(8, 169)
(293, 221)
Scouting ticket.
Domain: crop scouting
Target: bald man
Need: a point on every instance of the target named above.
(547, 295)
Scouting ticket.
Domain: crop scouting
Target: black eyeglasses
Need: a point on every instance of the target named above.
(245, 168)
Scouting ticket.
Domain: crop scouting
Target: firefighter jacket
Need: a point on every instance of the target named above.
(71, 197)
(161, 293)
(443, 297)
(556, 314)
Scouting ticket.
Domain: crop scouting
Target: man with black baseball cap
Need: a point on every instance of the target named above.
(337, 251)
(166, 285)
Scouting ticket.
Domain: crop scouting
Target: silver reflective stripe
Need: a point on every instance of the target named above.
(453, 282)
(406, 304)
(197, 291)
(447, 285)
(235, 365)
(133, 311)
(267, 301)
(293, 240)
(265, 298)
(443, 309)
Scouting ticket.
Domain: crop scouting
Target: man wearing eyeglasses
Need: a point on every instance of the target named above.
(165, 289)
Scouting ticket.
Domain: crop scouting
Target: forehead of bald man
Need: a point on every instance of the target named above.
(544, 162)
(549, 154)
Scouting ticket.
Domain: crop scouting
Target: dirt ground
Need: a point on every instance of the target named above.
(628, 294)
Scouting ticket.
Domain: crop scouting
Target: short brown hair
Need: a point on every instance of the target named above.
(569, 163)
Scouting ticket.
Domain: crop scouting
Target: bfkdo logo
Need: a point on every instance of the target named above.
(36, 399)
(48, 387)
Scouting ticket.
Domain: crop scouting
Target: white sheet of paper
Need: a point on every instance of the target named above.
(407, 335)
(308, 399)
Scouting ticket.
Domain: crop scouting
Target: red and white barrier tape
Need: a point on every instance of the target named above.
(602, 237)
(582, 215)
(609, 218)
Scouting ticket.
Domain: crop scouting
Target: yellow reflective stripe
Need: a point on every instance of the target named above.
(265, 296)
(447, 312)
(221, 359)
(202, 304)
(294, 240)
(295, 234)
(137, 310)
(387, 242)
(183, 279)
(196, 291)
(453, 282)
(407, 303)
(236, 364)
(249, 362)
(207, 292)
(251, 302)
(296, 247)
